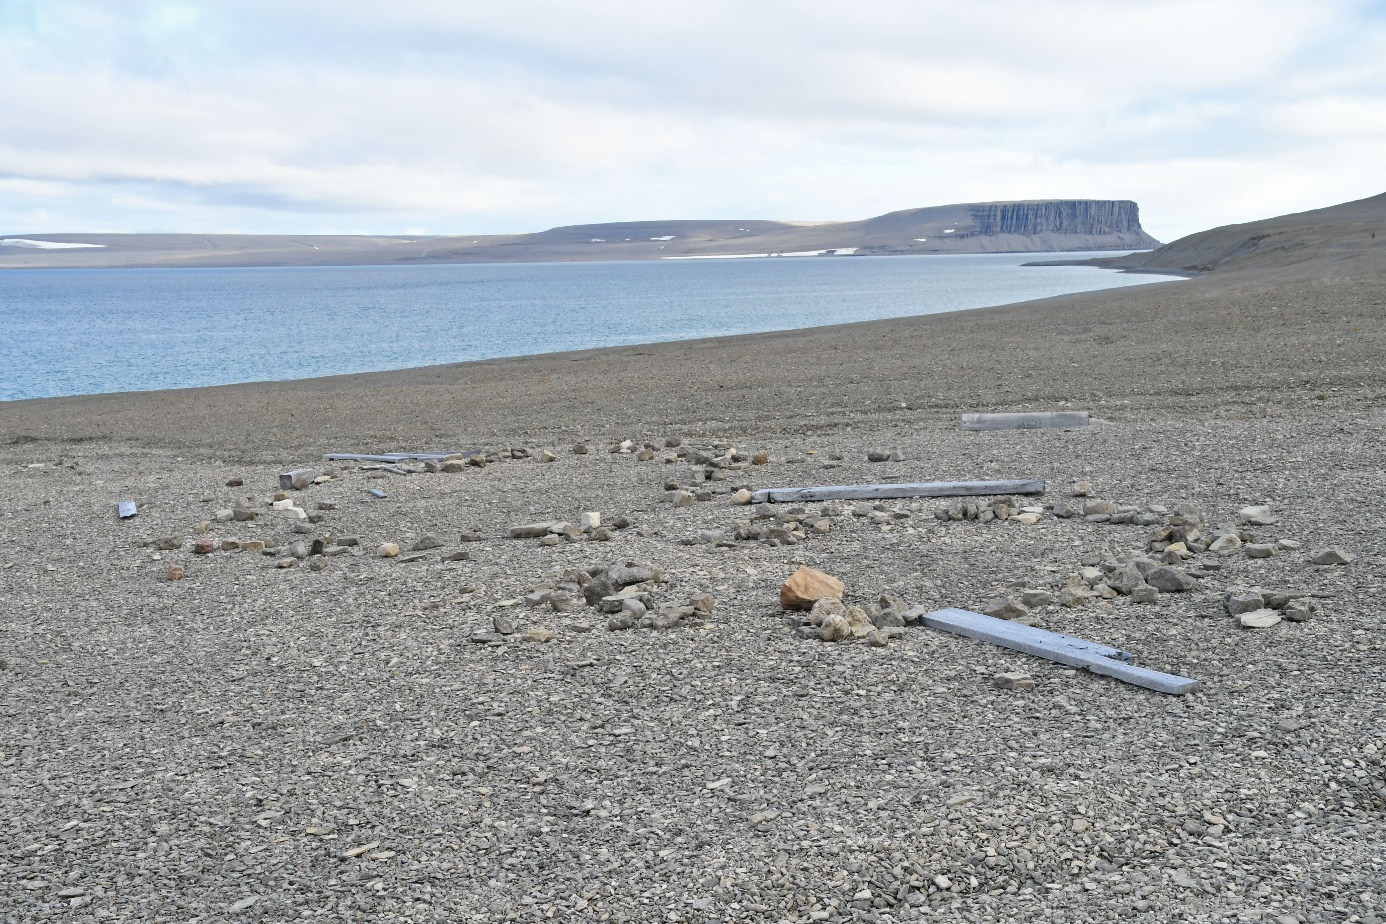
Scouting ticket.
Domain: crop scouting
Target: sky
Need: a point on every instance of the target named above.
(411, 117)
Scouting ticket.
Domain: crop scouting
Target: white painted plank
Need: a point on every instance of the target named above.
(980, 622)
(397, 456)
(1054, 647)
(886, 491)
(1038, 420)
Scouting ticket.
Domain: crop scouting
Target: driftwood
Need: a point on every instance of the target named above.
(398, 456)
(1065, 649)
(883, 491)
(1040, 420)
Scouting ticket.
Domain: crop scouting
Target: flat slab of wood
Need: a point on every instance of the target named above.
(397, 456)
(1038, 420)
(886, 491)
(1054, 646)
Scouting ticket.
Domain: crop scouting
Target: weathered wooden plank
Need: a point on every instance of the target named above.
(886, 491)
(980, 622)
(398, 456)
(126, 509)
(1055, 647)
(1038, 420)
(298, 478)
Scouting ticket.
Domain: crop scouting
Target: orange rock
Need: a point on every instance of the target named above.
(760, 458)
(806, 587)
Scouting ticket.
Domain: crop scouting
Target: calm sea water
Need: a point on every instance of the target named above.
(70, 332)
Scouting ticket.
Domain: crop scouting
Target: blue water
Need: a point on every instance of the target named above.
(70, 332)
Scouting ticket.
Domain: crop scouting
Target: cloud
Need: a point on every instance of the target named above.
(481, 118)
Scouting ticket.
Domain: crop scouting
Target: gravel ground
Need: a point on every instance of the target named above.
(254, 742)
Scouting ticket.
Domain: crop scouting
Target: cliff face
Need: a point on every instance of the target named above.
(1062, 216)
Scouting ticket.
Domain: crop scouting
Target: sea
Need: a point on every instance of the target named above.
(85, 331)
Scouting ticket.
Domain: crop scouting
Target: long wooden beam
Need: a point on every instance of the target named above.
(396, 456)
(1053, 646)
(886, 491)
(1039, 420)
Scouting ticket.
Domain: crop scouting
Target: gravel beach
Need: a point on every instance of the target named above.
(314, 730)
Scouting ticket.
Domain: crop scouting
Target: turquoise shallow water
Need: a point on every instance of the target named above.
(69, 332)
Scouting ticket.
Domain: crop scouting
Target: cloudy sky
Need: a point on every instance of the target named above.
(416, 117)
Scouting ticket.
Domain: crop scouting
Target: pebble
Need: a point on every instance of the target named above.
(741, 498)
(1144, 594)
(1301, 610)
(834, 628)
(1081, 489)
(1013, 680)
(1170, 580)
(426, 543)
(1259, 619)
(1034, 598)
(1005, 608)
(1257, 516)
(1243, 601)
(760, 458)
(1259, 550)
(504, 624)
(388, 550)
(590, 520)
(538, 634)
(1288, 545)
(1331, 557)
(174, 573)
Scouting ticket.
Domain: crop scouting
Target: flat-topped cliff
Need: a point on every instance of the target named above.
(1049, 225)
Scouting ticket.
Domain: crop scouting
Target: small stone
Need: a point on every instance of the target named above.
(1288, 545)
(741, 498)
(174, 573)
(590, 520)
(877, 638)
(504, 624)
(1013, 680)
(1004, 608)
(1170, 580)
(645, 455)
(1080, 489)
(1091, 576)
(859, 622)
(235, 482)
(1238, 602)
(1073, 596)
(760, 458)
(348, 540)
(530, 530)
(298, 550)
(825, 607)
(1034, 598)
(603, 534)
(678, 498)
(580, 449)
(702, 603)
(548, 455)
(454, 466)
(253, 545)
(1259, 619)
(634, 607)
(457, 556)
(550, 540)
(620, 621)
(1144, 594)
(1227, 542)
(1257, 516)
(806, 587)
(673, 442)
(317, 564)
(1099, 508)
(387, 550)
(1331, 557)
(896, 455)
(1259, 550)
(538, 634)
(1301, 610)
(834, 628)
(203, 546)
(286, 563)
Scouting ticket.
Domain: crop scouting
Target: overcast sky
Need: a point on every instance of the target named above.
(302, 116)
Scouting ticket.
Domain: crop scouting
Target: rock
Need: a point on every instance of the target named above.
(317, 564)
(806, 587)
(741, 498)
(229, 545)
(1013, 680)
(702, 603)
(174, 573)
(1227, 542)
(244, 514)
(645, 455)
(1073, 596)
(1034, 598)
(1099, 508)
(349, 540)
(1331, 557)
(889, 618)
(760, 458)
(235, 482)
(1257, 516)
(1125, 580)
(580, 449)
(224, 516)
(678, 498)
(531, 530)
(590, 520)
(896, 455)
(1238, 602)
(537, 597)
(673, 442)
(298, 550)
(1004, 608)
(877, 638)
(859, 622)
(1287, 545)
(457, 556)
(620, 621)
(1091, 575)
(538, 634)
(835, 628)
(203, 546)
(876, 455)
(1259, 619)
(426, 543)
(253, 545)
(1170, 580)
(603, 534)
(634, 608)
(1259, 550)
(548, 455)
(825, 607)
(387, 550)
(454, 466)
(1144, 594)
(1081, 489)
(1301, 610)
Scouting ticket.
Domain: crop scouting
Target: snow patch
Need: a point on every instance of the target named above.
(43, 245)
